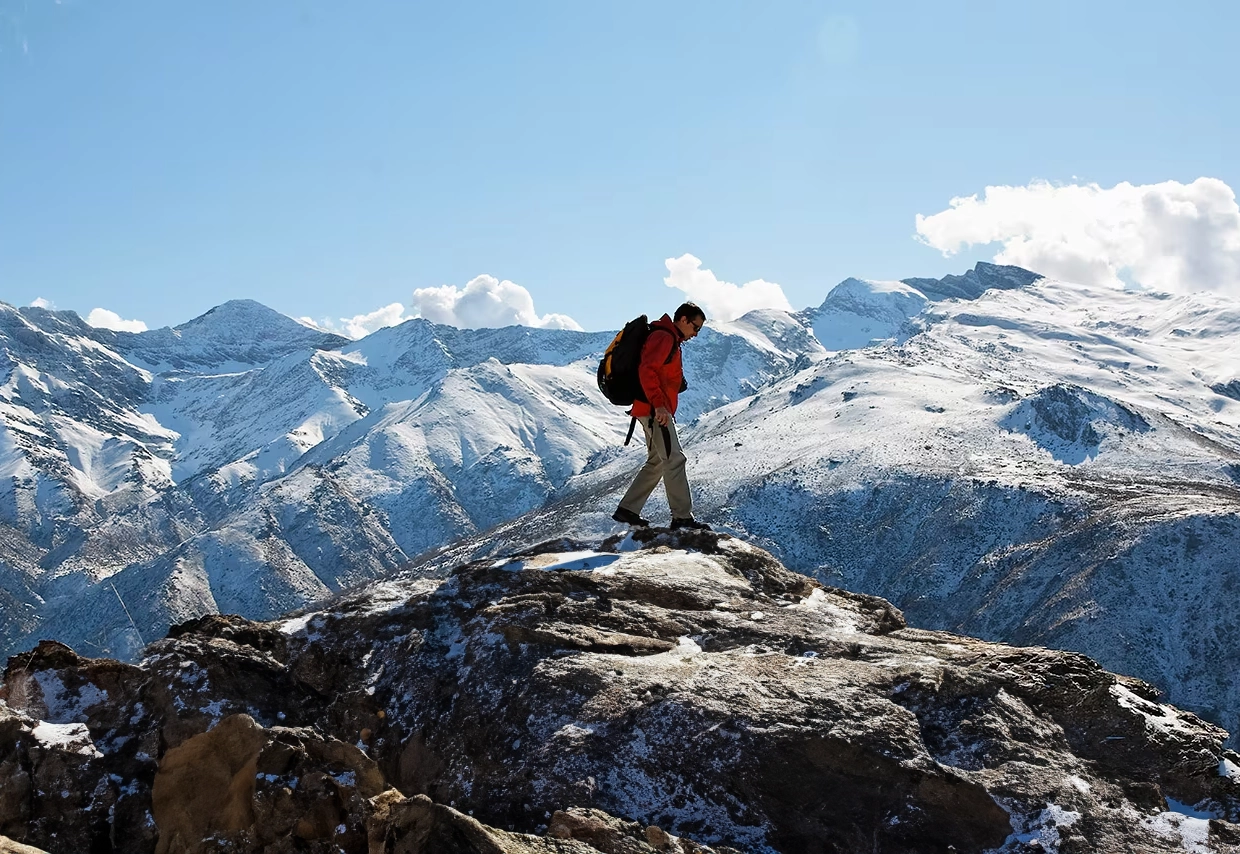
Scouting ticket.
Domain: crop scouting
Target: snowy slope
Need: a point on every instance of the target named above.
(1047, 465)
(860, 312)
(243, 461)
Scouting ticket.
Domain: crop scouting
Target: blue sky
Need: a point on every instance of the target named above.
(328, 159)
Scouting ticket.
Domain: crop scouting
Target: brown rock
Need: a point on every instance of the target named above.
(205, 786)
(43, 766)
(418, 826)
(658, 839)
(15, 788)
(8, 846)
(601, 831)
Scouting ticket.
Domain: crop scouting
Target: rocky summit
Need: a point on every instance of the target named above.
(661, 692)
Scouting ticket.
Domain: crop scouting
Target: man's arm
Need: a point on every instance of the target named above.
(655, 351)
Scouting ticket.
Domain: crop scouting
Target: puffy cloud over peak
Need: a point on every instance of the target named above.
(102, 318)
(1168, 236)
(361, 325)
(719, 299)
(485, 301)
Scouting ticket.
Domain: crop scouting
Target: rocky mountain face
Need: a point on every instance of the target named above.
(677, 693)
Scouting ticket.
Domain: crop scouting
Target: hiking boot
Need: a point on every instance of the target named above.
(628, 517)
(691, 523)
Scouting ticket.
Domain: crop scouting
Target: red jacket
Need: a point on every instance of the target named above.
(661, 382)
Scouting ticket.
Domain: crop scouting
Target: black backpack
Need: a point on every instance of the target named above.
(617, 371)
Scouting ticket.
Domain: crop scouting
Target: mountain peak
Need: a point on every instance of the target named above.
(235, 335)
(239, 315)
(975, 282)
(858, 311)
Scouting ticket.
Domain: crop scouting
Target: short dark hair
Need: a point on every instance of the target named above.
(689, 311)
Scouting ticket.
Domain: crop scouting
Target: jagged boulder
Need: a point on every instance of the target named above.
(665, 693)
(418, 825)
(8, 846)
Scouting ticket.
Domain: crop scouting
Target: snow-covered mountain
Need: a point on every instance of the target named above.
(1046, 464)
(243, 462)
(1000, 455)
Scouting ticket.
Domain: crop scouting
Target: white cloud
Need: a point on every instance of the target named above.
(1168, 237)
(721, 300)
(104, 319)
(39, 302)
(361, 325)
(324, 325)
(485, 302)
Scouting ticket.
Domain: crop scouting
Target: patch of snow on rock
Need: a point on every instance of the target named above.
(295, 624)
(64, 706)
(690, 566)
(1160, 717)
(633, 792)
(685, 646)
(1193, 832)
(1044, 829)
(581, 561)
(74, 738)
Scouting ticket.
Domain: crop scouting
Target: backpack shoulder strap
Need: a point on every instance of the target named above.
(675, 349)
(675, 344)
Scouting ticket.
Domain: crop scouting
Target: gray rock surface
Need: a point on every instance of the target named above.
(661, 695)
(975, 282)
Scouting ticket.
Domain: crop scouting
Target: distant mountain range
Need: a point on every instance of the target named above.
(998, 454)
(243, 462)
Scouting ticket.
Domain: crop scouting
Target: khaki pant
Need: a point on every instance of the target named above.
(664, 465)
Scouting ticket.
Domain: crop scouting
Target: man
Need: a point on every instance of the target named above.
(663, 379)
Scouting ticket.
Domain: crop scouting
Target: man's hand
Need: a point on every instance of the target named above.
(662, 416)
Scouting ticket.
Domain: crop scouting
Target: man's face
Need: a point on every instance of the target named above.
(690, 327)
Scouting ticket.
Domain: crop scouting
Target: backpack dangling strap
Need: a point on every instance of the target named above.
(632, 424)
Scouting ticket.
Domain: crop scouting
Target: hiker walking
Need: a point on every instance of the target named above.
(662, 380)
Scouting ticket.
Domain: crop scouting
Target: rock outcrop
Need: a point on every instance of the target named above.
(682, 694)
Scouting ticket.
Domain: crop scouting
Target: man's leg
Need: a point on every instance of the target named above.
(648, 476)
(675, 480)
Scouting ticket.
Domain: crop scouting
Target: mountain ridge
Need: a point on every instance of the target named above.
(1018, 464)
(993, 471)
